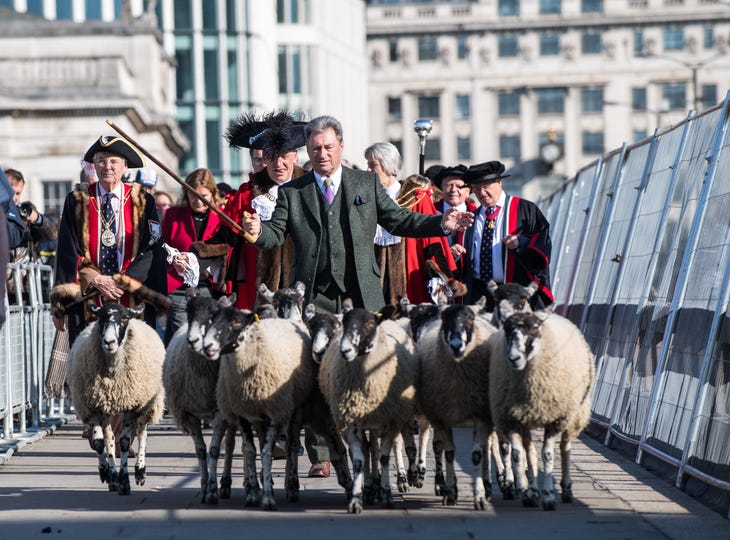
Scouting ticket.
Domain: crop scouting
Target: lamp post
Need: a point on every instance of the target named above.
(422, 127)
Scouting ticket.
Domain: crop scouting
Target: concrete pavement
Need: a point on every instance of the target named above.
(51, 487)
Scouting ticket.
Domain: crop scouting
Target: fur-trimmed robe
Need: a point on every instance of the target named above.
(78, 253)
(248, 265)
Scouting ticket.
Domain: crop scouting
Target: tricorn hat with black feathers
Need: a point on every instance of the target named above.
(275, 133)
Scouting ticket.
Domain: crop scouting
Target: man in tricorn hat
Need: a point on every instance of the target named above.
(278, 136)
(104, 227)
(509, 241)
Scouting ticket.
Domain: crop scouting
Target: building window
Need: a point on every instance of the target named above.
(427, 49)
(549, 7)
(463, 106)
(210, 19)
(590, 43)
(213, 138)
(433, 150)
(708, 95)
(638, 99)
(54, 194)
(549, 137)
(591, 100)
(463, 148)
(592, 142)
(507, 46)
(186, 119)
(393, 50)
(638, 42)
(210, 68)
(292, 11)
(183, 15)
(550, 100)
(509, 147)
(64, 10)
(549, 44)
(119, 9)
(708, 37)
(509, 103)
(93, 10)
(462, 48)
(428, 106)
(232, 71)
(675, 96)
(508, 8)
(673, 39)
(394, 109)
(185, 69)
(591, 6)
(290, 69)
(230, 17)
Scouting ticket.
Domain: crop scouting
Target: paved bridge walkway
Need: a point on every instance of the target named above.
(50, 489)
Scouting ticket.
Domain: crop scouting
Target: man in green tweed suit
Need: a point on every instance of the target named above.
(331, 213)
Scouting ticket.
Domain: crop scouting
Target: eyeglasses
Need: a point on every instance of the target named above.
(112, 162)
(456, 186)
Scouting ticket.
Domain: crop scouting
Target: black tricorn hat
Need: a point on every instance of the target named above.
(118, 146)
(457, 171)
(491, 171)
(275, 133)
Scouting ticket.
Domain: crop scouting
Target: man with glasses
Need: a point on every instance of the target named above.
(509, 241)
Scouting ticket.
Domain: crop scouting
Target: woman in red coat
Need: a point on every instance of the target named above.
(191, 220)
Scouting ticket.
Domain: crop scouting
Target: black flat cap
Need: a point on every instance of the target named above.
(491, 171)
(457, 171)
(118, 146)
(275, 133)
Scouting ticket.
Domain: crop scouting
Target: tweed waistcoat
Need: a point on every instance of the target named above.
(332, 249)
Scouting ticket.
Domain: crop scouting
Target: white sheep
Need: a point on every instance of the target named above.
(454, 388)
(368, 377)
(541, 376)
(190, 381)
(115, 366)
(267, 374)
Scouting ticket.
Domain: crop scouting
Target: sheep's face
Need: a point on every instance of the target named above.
(510, 298)
(288, 301)
(359, 328)
(457, 328)
(420, 316)
(322, 327)
(523, 337)
(200, 311)
(113, 320)
(226, 330)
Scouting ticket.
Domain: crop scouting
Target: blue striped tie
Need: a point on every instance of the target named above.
(109, 259)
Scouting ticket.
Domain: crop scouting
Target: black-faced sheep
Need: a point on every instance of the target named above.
(368, 377)
(454, 388)
(287, 301)
(508, 298)
(115, 366)
(190, 381)
(541, 376)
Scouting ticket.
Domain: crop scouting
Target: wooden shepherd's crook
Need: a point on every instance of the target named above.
(228, 221)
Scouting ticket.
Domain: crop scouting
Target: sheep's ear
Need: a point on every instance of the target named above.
(347, 305)
(227, 301)
(309, 311)
(94, 309)
(191, 292)
(505, 310)
(300, 288)
(137, 312)
(543, 315)
(492, 287)
(481, 302)
(405, 305)
(531, 289)
(266, 293)
(389, 312)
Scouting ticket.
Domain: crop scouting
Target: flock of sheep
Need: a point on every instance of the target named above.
(360, 379)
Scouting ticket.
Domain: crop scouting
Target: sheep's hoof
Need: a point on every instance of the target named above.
(402, 483)
(211, 495)
(420, 477)
(567, 493)
(113, 481)
(480, 503)
(140, 473)
(268, 503)
(124, 488)
(530, 497)
(548, 500)
(369, 494)
(226, 483)
(439, 484)
(104, 473)
(412, 477)
(449, 497)
(509, 492)
(387, 498)
(355, 506)
(253, 498)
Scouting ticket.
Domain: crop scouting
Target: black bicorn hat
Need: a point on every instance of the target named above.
(275, 133)
(457, 171)
(491, 171)
(118, 146)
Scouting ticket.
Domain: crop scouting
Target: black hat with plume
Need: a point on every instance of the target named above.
(275, 133)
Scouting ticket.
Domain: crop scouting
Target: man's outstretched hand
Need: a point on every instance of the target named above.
(456, 220)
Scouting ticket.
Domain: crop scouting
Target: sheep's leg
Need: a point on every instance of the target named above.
(338, 457)
(226, 482)
(271, 435)
(109, 448)
(354, 436)
(210, 488)
(140, 467)
(547, 495)
(371, 490)
(191, 424)
(99, 445)
(531, 496)
(386, 445)
(438, 463)
(251, 482)
(398, 445)
(450, 492)
(291, 469)
(566, 484)
(125, 437)
(482, 470)
(425, 432)
(505, 478)
(518, 465)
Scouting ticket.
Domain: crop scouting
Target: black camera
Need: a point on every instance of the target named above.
(25, 209)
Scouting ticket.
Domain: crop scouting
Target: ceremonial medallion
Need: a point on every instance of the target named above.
(108, 238)
(490, 224)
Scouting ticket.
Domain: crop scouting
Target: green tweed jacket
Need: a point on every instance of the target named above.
(365, 204)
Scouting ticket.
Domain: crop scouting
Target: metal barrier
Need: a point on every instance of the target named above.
(641, 262)
(25, 349)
